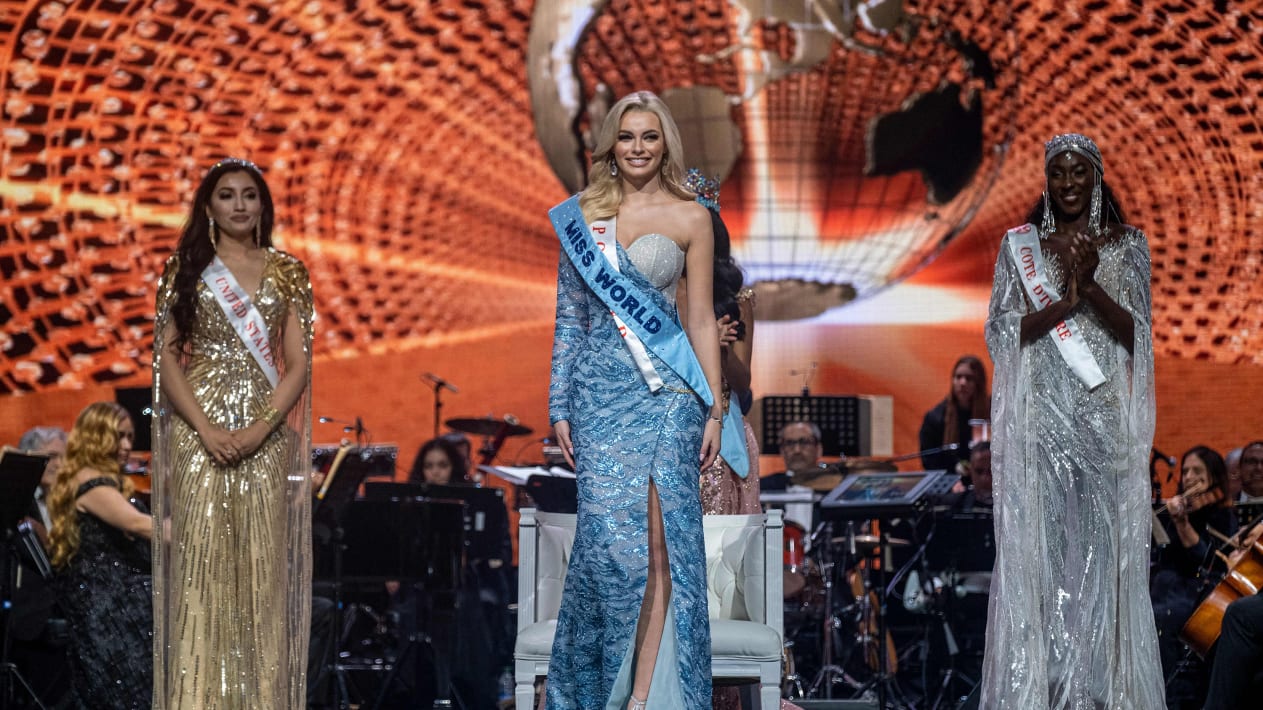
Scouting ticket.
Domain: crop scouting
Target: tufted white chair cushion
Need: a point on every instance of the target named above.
(740, 595)
(734, 566)
(556, 540)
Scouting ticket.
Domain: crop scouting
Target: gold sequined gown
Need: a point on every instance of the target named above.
(232, 554)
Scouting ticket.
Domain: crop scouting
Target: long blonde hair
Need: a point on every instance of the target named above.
(93, 443)
(604, 193)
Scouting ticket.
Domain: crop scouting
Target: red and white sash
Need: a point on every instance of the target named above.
(1024, 245)
(244, 317)
(606, 234)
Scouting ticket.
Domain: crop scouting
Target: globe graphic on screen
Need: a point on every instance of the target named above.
(852, 148)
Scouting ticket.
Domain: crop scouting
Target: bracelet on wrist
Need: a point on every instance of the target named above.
(270, 416)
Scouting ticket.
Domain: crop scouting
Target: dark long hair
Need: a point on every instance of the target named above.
(459, 472)
(195, 248)
(728, 276)
(980, 408)
(1215, 466)
(1109, 205)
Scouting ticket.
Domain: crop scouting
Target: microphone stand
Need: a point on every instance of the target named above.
(438, 405)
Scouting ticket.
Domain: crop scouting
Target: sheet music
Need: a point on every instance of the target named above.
(517, 475)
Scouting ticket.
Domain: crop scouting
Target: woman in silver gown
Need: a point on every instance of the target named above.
(1070, 623)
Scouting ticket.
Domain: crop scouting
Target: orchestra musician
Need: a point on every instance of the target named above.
(948, 422)
(1251, 470)
(801, 448)
(100, 550)
(440, 462)
(37, 634)
(51, 442)
(1177, 580)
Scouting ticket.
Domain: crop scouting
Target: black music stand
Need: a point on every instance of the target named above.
(346, 473)
(844, 431)
(554, 494)
(486, 516)
(416, 541)
(19, 476)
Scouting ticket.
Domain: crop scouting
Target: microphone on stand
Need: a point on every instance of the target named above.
(440, 383)
(347, 427)
(1159, 456)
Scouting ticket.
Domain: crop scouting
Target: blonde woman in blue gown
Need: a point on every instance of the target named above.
(633, 630)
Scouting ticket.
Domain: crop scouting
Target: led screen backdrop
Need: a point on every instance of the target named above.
(872, 152)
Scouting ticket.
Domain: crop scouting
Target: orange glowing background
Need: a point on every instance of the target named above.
(398, 140)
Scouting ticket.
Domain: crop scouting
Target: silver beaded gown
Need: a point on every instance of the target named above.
(623, 436)
(232, 544)
(1070, 623)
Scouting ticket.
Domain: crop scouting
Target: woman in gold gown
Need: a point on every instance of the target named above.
(232, 433)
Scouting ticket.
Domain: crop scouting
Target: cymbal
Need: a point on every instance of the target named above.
(866, 544)
(825, 479)
(486, 426)
(865, 465)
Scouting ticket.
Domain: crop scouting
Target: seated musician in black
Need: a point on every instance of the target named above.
(948, 422)
(801, 448)
(979, 495)
(1236, 677)
(38, 636)
(475, 627)
(1177, 580)
(439, 462)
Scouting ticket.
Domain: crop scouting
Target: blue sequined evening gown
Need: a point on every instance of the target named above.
(623, 436)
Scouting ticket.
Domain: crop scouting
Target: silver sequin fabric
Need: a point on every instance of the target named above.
(1070, 625)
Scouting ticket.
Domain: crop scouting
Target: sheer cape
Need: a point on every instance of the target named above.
(232, 544)
(1070, 623)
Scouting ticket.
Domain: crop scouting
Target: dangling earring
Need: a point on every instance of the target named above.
(613, 167)
(214, 236)
(1047, 225)
(1095, 218)
(258, 231)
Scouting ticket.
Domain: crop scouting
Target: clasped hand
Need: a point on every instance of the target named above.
(1084, 258)
(727, 330)
(230, 447)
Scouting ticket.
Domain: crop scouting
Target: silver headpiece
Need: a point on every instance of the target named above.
(1081, 145)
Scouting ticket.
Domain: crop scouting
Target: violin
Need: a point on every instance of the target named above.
(1196, 499)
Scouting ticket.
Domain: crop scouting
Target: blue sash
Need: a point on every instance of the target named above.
(732, 444)
(655, 327)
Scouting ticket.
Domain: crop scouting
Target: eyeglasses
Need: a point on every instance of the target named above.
(790, 443)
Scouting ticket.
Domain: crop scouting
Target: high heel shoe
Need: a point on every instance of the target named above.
(635, 703)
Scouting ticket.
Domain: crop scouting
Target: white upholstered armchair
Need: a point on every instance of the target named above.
(743, 580)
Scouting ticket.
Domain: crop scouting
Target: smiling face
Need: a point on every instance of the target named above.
(640, 147)
(1195, 476)
(236, 205)
(1070, 179)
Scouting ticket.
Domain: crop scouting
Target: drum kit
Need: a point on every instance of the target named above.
(837, 577)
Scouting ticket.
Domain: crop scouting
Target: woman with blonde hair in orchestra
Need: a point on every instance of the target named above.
(635, 404)
(100, 552)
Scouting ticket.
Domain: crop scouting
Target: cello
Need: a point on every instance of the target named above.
(1244, 578)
